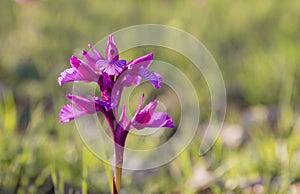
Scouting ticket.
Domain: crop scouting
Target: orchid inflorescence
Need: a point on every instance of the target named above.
(111, 75)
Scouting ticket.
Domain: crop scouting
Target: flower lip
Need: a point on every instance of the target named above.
(113, 67)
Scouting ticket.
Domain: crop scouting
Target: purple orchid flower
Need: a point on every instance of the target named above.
(147, 117)
(112, 65)
(112, 76)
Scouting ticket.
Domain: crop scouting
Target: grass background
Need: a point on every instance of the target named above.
(256, 45)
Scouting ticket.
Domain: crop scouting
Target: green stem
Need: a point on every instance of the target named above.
(119, 150)
(118, 178)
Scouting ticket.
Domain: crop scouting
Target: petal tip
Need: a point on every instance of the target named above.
(59, 81)
(84, 52)
(169, 122)
(111, 38)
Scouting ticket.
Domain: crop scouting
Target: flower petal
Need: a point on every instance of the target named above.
(137, 70)
(112, 52)
(80, 71)
(156, 120)
(139, 67)
(69, 113)
(87, 73)
(85, 104)
(144, 61)
(75, 62)
(154, 78)
(80, 106)
(144, 115)
(69, 75)
(96, 55)
(139, 106)
(147, 117)
(114, 67)
(123, 122)
(160, 119)
(106, 84)
(90, 59)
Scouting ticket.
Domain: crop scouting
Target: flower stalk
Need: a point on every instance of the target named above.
(117, 178)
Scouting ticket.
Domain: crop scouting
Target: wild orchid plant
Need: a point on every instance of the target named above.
(112, 75)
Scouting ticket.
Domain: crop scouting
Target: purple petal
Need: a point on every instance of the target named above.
(86, 73)
(106, 84)
(68, 75)
(79, 72)
(152, 77)
(69, 113)
(115, 97)
(85, 104)
(80, 106)
(114, 67)
(160, 119)
(111, 49)
(144, 61)
(133, 76)
(75, 62)
(123, 122)
(90, 59)
(139, 67)
(139, 106)
(147, 117)
(156, 120)
(96, 55)
(144, 115)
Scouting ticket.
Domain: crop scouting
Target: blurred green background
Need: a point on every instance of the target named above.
(256, 45)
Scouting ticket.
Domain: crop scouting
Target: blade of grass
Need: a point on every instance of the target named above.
(84, 187)
(10, 113)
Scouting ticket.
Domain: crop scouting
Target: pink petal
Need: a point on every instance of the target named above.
(69, 113)
(90, 59)
(111, 67)
(69, 75)
(75, 62)
(123, 122)
(154, 78)
(147, 117)
(96, 55)
(85, 104)
(111, 49)
(143, 61)
(160, 119)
